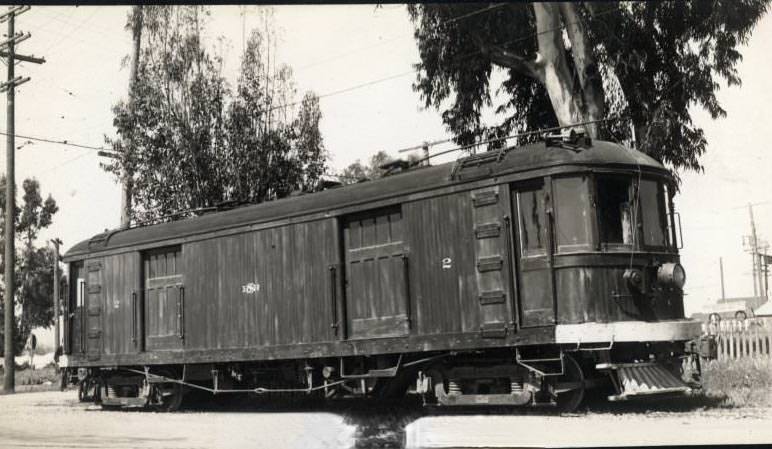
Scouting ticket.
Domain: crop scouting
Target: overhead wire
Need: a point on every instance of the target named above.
(58, 142)
(464, 56)
(377, 81)
(325, 95)
(350, 88)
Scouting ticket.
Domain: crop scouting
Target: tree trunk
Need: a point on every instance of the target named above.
(590, 88)
(573, 101)
(554, 70)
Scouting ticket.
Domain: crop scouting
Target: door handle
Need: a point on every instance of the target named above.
(181, 313)
(334, 298)
(406, 273)
(511, 269)
(134, 318)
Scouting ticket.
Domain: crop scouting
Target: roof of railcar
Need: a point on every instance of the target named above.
(525, 158)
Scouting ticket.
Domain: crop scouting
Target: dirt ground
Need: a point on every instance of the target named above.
(57, 420)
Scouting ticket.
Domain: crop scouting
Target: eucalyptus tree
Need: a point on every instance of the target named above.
(570, 62)
(190, 143)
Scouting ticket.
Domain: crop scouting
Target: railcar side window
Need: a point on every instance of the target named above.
(81, 292)
(653, 213)
(615, 210)
(533, 223)
(572, 216)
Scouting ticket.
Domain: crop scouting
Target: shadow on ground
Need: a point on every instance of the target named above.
(381, 424)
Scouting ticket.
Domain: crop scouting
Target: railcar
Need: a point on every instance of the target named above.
(523, 276)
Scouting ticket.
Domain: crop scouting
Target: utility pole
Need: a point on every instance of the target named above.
(756, 247)
(8, 51)
(127, 182)
(766, 259)
(56, 242)
(754, 253)
(721, 267)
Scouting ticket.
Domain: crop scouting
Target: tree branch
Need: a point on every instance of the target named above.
(590, 88)
(509, 60)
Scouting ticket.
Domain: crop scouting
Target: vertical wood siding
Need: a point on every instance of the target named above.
(94, 309)
(534, 252)
(377, 300)
(121, 279)
(163, 298)
(493, 292)
(442, 256)
(260, 288)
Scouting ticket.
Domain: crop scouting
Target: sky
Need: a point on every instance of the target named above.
(359, 59)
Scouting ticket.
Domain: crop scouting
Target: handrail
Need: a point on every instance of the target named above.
(134, 317)
(406, 271)
(334, 298)
(181, 313)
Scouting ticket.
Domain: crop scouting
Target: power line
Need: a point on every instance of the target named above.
(413, 71)
(58, 142)
(474, 13)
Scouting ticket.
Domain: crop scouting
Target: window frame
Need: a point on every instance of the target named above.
(601, 223)
(538, 185)
(590, 225)
(665, 218)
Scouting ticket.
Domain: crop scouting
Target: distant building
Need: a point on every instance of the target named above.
(731, 307)
(765, 310)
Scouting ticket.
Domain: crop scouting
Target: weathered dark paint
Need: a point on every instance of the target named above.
(288, 301)
(434, 264)
(120, 279)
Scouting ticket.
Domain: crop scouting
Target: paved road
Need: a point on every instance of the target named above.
(57, 420)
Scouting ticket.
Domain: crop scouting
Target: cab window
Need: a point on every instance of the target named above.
(533, 223)
(572, 214)
(616, 211)
(653, 214)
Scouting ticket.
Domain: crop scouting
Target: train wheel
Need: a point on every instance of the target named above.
(88, 390)
(569, 388)
(166, 396)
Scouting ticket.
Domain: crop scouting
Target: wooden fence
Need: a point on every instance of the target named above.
(738, 339)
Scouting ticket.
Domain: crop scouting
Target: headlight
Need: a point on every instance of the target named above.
(672, 274)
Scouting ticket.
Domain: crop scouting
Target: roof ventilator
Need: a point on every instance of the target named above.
(102, 239)
(568, 138)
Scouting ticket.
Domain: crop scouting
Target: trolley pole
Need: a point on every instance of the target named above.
(8, 51)
(56, 242)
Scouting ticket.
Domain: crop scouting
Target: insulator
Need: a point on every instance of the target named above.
(454, 387)
(112, 392)
(516, 386)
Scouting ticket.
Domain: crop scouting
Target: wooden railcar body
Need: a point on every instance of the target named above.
(433, 259)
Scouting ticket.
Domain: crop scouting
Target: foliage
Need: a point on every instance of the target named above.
(741, 382)
(41, 379)
(34, 273)
(649, 61)
(358, 171)
(189, 143)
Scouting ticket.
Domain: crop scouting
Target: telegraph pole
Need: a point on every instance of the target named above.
(721, 267)
(8, 51)
(127, 190)
(56, 242)
(754, 253)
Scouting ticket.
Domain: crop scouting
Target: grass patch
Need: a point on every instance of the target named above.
(37, 380)
(739, 383)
